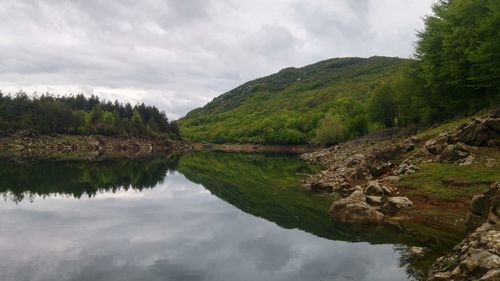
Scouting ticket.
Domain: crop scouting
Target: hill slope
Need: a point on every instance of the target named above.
(287, 107)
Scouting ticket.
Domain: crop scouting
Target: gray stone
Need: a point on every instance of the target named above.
(398, 203)
(355, 210)
(375, 188)
(374, 200)
(392, 179)
(417, 251)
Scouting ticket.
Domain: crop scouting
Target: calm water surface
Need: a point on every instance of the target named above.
(199, 216)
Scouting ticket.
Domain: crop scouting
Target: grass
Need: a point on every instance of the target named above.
(435, 131)
(452, 182)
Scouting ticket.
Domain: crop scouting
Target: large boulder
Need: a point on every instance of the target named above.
(355, 210)
(480, 132)
(484, 207)
(454, 152)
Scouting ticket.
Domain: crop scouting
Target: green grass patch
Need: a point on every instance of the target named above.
(435, 131)
(452, 182)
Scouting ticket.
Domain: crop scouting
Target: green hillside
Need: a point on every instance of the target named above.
(289, 106)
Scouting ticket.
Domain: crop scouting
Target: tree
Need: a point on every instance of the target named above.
(459, 50)
(137, 124)
(330, 130)
(382, 107)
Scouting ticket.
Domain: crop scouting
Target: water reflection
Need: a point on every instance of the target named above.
(26, 180)
(178, 230)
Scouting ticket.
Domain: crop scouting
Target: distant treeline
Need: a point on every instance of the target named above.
(78, 114)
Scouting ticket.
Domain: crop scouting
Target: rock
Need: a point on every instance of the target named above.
(484, 207)
(453, 153)
(494, 215)
(405, 169)
(398, 203)
(374, 200)
(378, 160)
(493, 142)
(466, 161)
(478, 133)
(473, 221)
(360, 172)
(493, 124)
(492, 275)
(423, 152)
(378, 168)
(437, 144)
(475, 258)
(417, 252)
(415, 140)
(355, 210)
(319, 186)
(392, 179)
(491, 163)
(375, 188)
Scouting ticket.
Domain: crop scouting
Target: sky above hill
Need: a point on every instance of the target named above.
(179, 54)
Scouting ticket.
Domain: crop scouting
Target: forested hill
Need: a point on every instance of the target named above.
(456, 72)
(287, 107)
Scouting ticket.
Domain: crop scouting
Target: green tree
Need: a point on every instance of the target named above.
(382, 106)
(459, 50)
(330, 130)
(137, 124)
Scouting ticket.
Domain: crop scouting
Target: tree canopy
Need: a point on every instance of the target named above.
(77, 114)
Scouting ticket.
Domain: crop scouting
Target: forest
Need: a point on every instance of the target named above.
(78, 114)
(455, 72)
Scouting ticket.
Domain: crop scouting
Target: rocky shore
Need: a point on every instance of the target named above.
(478, 256)
(75, 147)
(369, 181)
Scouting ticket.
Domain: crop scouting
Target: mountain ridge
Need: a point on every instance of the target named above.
(311, 90)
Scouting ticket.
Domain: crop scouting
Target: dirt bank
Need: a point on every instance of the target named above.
(74, 147)
(255, 148)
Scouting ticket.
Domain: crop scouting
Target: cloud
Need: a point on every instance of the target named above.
(180, 54)
(172, 232)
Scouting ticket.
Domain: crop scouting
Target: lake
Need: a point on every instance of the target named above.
(197, 216)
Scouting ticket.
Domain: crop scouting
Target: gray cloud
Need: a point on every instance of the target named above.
(180, 54)
(176, 231)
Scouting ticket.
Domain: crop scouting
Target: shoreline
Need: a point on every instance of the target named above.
(257, 148)
(436, 179)
(85, 147)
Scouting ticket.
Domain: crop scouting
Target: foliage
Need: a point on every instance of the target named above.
(28, 179)
(286, 107)
(78, 114)
(330, 130)
(457, 73)
(382, 106)
(459, 51)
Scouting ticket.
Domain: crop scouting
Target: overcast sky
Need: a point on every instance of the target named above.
(179, 54)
